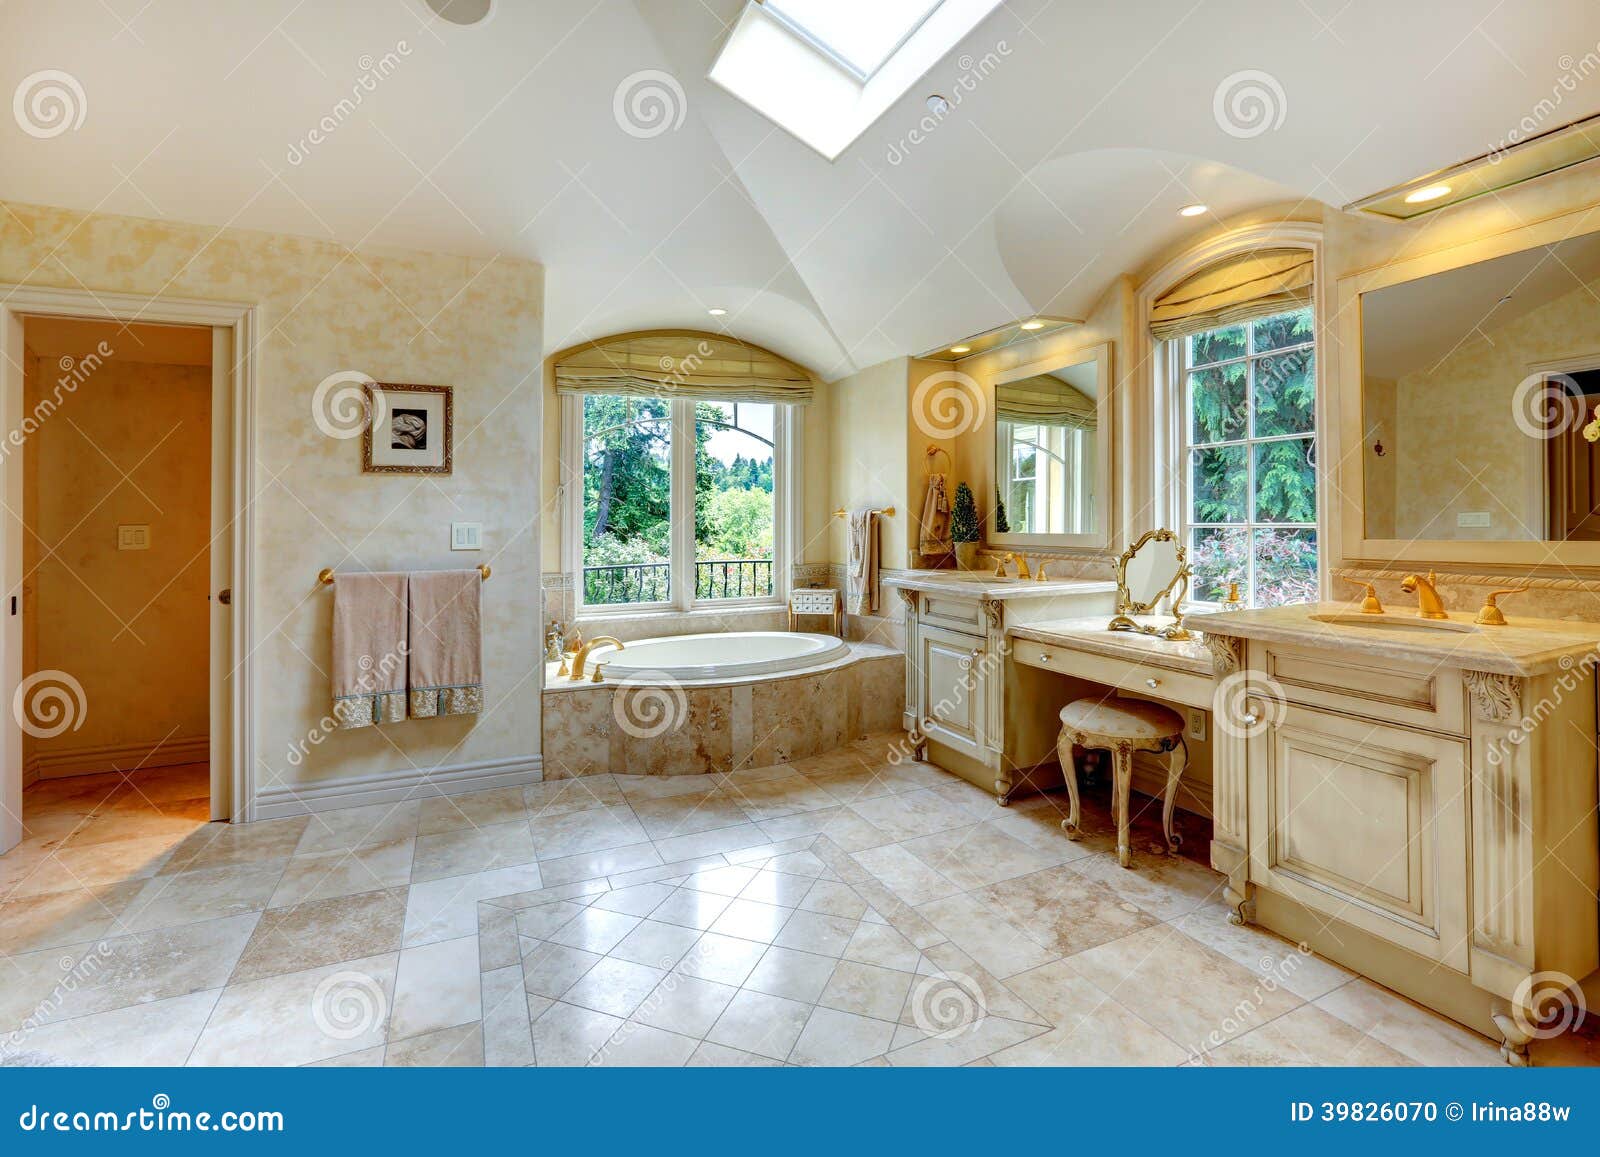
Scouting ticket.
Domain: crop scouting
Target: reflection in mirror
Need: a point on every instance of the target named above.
(1151, 571)
(1477, 385)
(1045, 453)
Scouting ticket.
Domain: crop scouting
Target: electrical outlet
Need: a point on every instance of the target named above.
(466, 536)
(133, 537)
(1197, 725)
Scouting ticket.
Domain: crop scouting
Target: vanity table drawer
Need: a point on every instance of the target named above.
(952, 613)
(1385, 692)
(1125, 675)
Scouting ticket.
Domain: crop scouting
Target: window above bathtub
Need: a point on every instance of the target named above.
(676, 504)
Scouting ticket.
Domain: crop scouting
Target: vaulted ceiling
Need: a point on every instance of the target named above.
(1076, 130)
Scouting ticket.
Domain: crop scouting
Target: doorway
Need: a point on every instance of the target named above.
(124, 544)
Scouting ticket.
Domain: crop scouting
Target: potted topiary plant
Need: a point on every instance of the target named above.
(964, 527)
(1002, 525)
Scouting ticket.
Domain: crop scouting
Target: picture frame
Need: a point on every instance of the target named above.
(410, 429)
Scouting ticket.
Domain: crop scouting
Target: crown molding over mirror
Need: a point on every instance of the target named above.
(1490, 559)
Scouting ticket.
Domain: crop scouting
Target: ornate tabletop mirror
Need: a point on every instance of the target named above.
(1153, 569)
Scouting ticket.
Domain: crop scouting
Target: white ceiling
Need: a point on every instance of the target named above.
(1062, 163)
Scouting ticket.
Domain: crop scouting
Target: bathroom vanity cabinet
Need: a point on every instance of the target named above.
(971, 708)
(1417, 802)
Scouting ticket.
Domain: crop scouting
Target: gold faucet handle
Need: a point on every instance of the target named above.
(1000, 564)
(1369, 605)
(1490, 614)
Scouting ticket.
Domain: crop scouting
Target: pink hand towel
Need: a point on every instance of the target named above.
(369, 649)
(446, 663)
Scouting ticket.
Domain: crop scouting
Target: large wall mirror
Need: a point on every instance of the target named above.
(1476, 386)
(1051, 451)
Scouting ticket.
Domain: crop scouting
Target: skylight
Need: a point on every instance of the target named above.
(824, 70)
(860, 36)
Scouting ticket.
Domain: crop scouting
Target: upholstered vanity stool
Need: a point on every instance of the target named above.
(1122, 726)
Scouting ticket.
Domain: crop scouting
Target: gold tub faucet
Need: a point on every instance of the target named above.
(1429, 605)
(583, 655)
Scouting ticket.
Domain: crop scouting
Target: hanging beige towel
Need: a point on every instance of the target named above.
(861, 573)
(369, 649)
(935, 538)
(446, 668)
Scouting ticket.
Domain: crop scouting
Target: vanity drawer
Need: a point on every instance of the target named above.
(1140, 679)
(952, 613)
(1383, 691)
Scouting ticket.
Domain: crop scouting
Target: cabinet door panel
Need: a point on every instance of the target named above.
(952, 693)
(1365, 823)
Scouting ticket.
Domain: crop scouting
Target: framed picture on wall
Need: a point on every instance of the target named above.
(410, 431)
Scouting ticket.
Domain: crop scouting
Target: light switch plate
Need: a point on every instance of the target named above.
(1474, 518)
(466, 536)
(133, 537)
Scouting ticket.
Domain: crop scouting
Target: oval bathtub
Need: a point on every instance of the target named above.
(726, 655)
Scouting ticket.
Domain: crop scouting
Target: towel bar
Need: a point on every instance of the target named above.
(325, 575)
(887, 512)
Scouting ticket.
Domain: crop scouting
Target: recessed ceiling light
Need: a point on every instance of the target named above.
(961, 349)
(1191, 210)
(717, 312)
(1428, 193)
(1034, 324)
(937, 104)
(461, 11)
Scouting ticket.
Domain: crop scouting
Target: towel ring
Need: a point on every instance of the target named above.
(930, 452)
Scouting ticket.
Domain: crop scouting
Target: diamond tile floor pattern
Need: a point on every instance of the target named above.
(841, 910)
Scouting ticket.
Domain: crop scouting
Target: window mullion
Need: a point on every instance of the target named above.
(683, 504)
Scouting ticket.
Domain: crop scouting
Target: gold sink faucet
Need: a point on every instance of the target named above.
(583, 655)
(1000, 564)
(1429, 605)
(1022, 567)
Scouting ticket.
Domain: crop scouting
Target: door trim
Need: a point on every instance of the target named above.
(234, 328)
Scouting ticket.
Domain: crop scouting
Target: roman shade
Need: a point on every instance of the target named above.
(1045, 400)
(681, 363)
(1241, 288)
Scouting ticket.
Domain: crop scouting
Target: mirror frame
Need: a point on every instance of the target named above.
(1176, 589)
(1497, 556)
(1101, 354)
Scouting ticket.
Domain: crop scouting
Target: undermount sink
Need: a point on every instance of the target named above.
(1393, 622)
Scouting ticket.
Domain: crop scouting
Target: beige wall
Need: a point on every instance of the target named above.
(871, 456)
(398, 316)
(131, 626)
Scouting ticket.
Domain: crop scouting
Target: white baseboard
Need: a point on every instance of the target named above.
(285, 800)
(59, 763)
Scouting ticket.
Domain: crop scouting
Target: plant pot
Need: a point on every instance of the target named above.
(967, 555)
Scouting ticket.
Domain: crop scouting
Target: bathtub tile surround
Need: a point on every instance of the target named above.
(663, 726)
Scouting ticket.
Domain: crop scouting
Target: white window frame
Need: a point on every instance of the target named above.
(1179, 360)
(787, 501)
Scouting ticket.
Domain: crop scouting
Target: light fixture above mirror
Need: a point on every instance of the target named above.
(1004, 335)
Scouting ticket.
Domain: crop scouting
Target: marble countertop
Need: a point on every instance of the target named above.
(978, 584)
(1090, 634)
(1525, 646)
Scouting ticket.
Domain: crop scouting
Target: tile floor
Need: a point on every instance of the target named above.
(840, 910)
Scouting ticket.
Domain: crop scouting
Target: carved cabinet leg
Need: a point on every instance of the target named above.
(1069, 752)
(1177, 761)
(1121, 787)
(1514, 1039)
